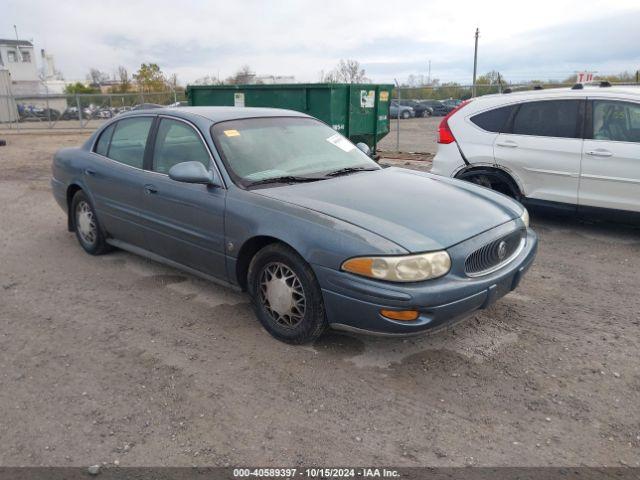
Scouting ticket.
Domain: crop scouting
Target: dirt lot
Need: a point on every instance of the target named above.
(416, 135)
(116, 358)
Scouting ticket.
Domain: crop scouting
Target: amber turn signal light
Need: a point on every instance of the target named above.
(404, 315)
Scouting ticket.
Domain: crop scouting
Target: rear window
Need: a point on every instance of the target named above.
(493, 120)
(551, 118)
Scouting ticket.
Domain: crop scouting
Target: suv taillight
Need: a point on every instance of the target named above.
(445, 135)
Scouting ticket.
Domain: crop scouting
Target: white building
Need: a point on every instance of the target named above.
(27, 83)
(18, 57)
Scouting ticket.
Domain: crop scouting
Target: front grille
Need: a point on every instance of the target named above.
(494, 255)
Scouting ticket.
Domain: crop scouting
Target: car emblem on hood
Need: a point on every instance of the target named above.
(502, 250)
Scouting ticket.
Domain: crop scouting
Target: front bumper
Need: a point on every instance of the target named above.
(353, 302)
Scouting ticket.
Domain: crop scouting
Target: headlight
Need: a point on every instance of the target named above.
(409, 268)
(525, 218)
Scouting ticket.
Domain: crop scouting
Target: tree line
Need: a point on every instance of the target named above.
(149, 78)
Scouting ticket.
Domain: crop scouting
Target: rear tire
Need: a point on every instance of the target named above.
(405, 115)
(86, 225)
(286, 296)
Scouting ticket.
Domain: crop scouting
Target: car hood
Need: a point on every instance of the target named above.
(416, 210)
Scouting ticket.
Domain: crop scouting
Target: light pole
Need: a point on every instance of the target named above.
(398, 116)
(475, 64)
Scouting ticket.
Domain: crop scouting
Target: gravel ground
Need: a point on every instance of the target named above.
(119, 359)
(416, 135)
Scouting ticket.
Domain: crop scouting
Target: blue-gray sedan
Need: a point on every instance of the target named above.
(278, 204)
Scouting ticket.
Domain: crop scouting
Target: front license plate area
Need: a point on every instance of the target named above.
(498, 290)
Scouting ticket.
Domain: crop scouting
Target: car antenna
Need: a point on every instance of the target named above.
(577, 86)
(605, 84)
(538, 87)
(507, 90)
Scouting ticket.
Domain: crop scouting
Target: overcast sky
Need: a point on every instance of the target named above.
(536, 39)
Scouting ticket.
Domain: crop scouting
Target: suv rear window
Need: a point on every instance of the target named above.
(493, 120)
(550, 118)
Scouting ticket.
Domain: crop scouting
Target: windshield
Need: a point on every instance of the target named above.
(256, 150)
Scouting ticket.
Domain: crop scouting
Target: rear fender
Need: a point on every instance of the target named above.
(77, 183)
(497, 168)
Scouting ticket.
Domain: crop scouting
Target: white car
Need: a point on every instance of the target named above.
(575, 149)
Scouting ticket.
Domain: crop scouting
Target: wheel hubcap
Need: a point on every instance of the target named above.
(86, 223)
(282, 294)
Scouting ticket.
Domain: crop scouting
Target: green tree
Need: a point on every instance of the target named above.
(74, 88)
(150, 78)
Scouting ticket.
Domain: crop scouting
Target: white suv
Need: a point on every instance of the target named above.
(577, 149)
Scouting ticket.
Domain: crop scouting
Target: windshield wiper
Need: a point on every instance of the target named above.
(285, 179)
(348, 170)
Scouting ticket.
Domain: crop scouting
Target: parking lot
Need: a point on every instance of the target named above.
(119, 359)
(417, 135)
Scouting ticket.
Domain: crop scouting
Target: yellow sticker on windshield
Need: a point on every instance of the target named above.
(232, 133)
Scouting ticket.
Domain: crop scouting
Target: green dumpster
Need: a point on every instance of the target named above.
(358, 111)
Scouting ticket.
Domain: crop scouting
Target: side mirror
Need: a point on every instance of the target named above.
(190, 172)
(364, 148)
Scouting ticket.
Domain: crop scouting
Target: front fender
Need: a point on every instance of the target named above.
(320, 239)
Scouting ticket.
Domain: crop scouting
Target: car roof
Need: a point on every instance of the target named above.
(218, 114)
(586, 90)
(617, 91)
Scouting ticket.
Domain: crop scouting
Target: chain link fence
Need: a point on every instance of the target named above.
(416, 113)
(32, 112)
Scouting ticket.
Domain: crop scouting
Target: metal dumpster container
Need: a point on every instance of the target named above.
(358, 111)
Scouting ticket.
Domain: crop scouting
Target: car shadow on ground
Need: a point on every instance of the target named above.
(598, 229)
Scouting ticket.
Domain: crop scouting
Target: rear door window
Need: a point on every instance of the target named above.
(102, 146)
(129, 141)
(493, 120)
(550, 118)
(177, 142)
(616, 121)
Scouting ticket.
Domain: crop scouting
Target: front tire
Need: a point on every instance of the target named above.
(405, 115)
(286, 295)
(86, 225)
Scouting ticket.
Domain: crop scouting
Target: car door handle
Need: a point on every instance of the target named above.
(507, 144)
(599, 153)
(149, 189)
(89, 172)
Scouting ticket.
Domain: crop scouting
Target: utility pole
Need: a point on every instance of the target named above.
(429, 76)
(398, 116)
(475, 64)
